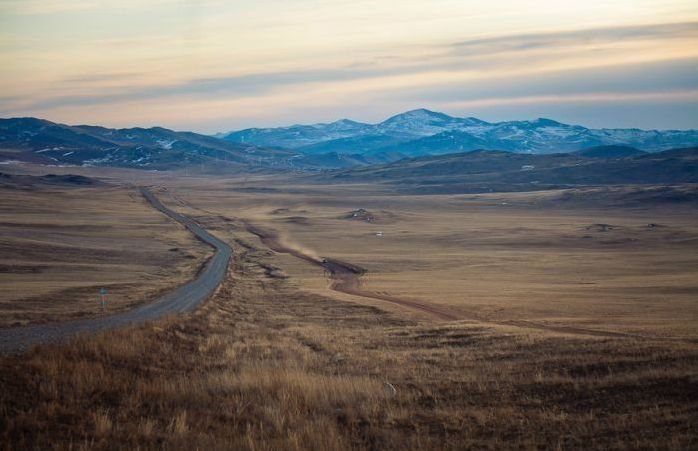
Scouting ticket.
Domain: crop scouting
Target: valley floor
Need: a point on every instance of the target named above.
(558, 341)
(536, 257)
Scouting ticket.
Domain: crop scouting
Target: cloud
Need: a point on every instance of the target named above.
(235, 86)
(661, 76)
(589, 97)
(548, 67)
(100, 78)
(590, 36)
(468, 62)
(36, 7)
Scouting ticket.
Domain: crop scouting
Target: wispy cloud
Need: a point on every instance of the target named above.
(231, 86)
(652, 77)
(469, 73)
(236, 55)
(589, 98)
(574, 38)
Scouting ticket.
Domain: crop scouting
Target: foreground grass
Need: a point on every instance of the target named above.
(263, 366)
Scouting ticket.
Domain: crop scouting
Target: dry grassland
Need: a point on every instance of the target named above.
(59, 246)
(502, 257)
(276, 360)
(264, 366)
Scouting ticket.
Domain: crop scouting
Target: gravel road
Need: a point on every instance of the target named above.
(182, 299)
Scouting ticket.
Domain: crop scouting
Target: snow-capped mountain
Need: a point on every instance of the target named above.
(425, 123)
(342, 143)
(424, 132)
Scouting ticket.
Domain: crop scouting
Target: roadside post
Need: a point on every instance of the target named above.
(103, 298)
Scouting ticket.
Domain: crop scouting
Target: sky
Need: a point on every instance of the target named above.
(221, 65)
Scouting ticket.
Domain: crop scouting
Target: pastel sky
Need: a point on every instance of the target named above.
(217, 65)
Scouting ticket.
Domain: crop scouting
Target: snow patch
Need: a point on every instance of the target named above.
(165, 144)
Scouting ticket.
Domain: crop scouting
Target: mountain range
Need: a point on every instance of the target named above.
(42, 141)
(340, 145)
(423, 132)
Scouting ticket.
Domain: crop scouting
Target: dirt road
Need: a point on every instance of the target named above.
(182, 299)
(346, 278)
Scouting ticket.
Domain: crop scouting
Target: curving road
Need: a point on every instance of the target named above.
(182, 299)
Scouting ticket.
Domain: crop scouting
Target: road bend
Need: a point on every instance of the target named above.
(182, 299)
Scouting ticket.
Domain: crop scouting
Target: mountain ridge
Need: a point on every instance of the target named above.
(42, 141)
(402, 133)
(407, 135)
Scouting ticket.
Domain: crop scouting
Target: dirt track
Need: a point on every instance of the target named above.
(346, 278)
(182, 299)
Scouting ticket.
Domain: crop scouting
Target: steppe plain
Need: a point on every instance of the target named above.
(556, 319)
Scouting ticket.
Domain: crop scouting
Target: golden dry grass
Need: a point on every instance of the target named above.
(499, 257)
(59, 246)
(276, 360)
(267, 367)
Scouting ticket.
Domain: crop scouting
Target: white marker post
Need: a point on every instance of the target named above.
(103, 298)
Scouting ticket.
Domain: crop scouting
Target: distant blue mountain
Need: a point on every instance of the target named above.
(424, 132)
(41, 141)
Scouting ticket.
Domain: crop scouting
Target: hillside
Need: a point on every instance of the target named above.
(484, 171)
(33, 181)
(609, 152)
(41, 141)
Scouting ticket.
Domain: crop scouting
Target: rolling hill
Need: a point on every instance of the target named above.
(485, 171)
(609, 152)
